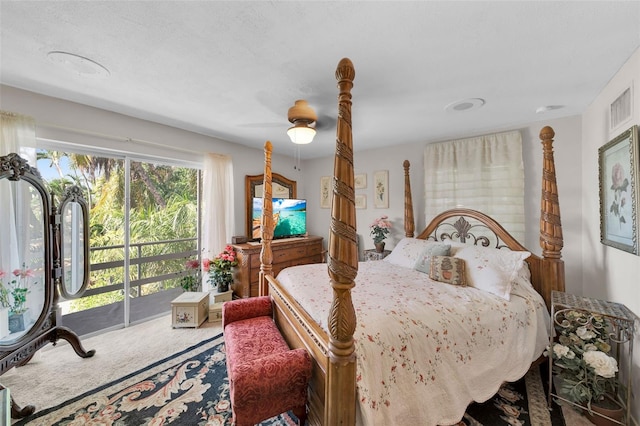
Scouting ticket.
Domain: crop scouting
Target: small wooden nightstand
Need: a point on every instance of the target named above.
(374, 255)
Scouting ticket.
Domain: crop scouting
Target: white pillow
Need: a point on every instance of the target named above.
(423, 264)
(406, 252)
(491, 269)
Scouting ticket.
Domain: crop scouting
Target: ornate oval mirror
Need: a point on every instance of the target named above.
(74, 243)
(33, 262)
(24, 251)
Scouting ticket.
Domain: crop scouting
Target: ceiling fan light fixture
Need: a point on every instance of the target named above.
(301, 115)
(301, 133)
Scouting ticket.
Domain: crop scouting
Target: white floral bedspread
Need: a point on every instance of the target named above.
(426, 349)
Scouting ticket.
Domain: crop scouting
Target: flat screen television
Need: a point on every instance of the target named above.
(289, 217)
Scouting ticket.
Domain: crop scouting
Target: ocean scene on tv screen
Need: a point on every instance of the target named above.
(289, 216)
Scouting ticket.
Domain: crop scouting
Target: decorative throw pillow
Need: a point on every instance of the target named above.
(406, 252)
(423, 264)
(491, 269)
(448, 269)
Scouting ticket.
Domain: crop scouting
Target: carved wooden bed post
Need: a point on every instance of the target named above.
(550, 225)
(409, 224)
(266, 255)
(340, 392)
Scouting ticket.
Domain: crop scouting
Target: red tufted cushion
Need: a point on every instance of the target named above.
(265, 377)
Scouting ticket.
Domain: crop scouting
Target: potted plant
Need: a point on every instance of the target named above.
(379, 230)
(220, 273)
(586, 371)
(15, 297)
(191, 281)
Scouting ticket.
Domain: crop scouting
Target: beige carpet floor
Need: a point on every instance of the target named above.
(57, 374)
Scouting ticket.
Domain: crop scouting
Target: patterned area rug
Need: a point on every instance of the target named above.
(191, 388)
(523, 403)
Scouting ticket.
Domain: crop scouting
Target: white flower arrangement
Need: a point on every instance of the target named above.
(581, 357)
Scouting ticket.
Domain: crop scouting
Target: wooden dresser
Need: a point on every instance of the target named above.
(286, 252)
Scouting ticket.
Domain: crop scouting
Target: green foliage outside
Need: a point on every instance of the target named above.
(163, 206)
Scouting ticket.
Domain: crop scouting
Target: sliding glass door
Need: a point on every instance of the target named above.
(143, 228)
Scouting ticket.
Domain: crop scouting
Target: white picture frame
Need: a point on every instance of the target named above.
(360, 181)
(381, 189)
(361, 201)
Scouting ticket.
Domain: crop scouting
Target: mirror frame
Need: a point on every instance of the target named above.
(15, 168)
(251, 181)
(73, 194)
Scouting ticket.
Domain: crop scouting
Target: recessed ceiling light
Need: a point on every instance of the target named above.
(465, 105)
(547, 108)
(78, 64)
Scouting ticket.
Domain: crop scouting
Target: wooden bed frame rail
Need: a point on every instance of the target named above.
(332, 396)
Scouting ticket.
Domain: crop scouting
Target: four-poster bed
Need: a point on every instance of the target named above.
(330, 336)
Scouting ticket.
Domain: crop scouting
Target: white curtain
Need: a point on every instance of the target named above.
(18, 134)
(22, 210)
(483, 173)
(218, 221)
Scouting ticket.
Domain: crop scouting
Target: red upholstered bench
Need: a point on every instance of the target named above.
(266, 378)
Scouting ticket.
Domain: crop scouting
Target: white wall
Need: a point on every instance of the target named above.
(66, 121)
(567, 141)
(609, 273)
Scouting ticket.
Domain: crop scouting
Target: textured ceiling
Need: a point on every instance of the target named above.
(232, 69)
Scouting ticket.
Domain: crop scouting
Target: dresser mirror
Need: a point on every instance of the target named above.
(43, 254)
(281, 187)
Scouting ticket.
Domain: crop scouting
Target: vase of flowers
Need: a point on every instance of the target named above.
(586, 371)
(220, 273)
(191, 281)
(14, 297)
(379, 230)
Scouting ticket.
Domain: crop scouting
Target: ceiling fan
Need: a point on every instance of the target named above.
(305, 122)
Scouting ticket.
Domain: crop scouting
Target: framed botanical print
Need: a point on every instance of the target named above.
(381, 189)
(361, 201)
(360, 181)
(619, 192)
(325, 192)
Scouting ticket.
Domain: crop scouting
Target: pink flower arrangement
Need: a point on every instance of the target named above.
(220, 269)
(192, 264)
(19, 288)
(380, 228)
(23, 273)
(225, 260)
(191, 281)
(206, 264)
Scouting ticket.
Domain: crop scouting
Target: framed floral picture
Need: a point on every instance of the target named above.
(325, 192)
(361, 201)
(360, 181)
(381, 189)
(619, 192)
